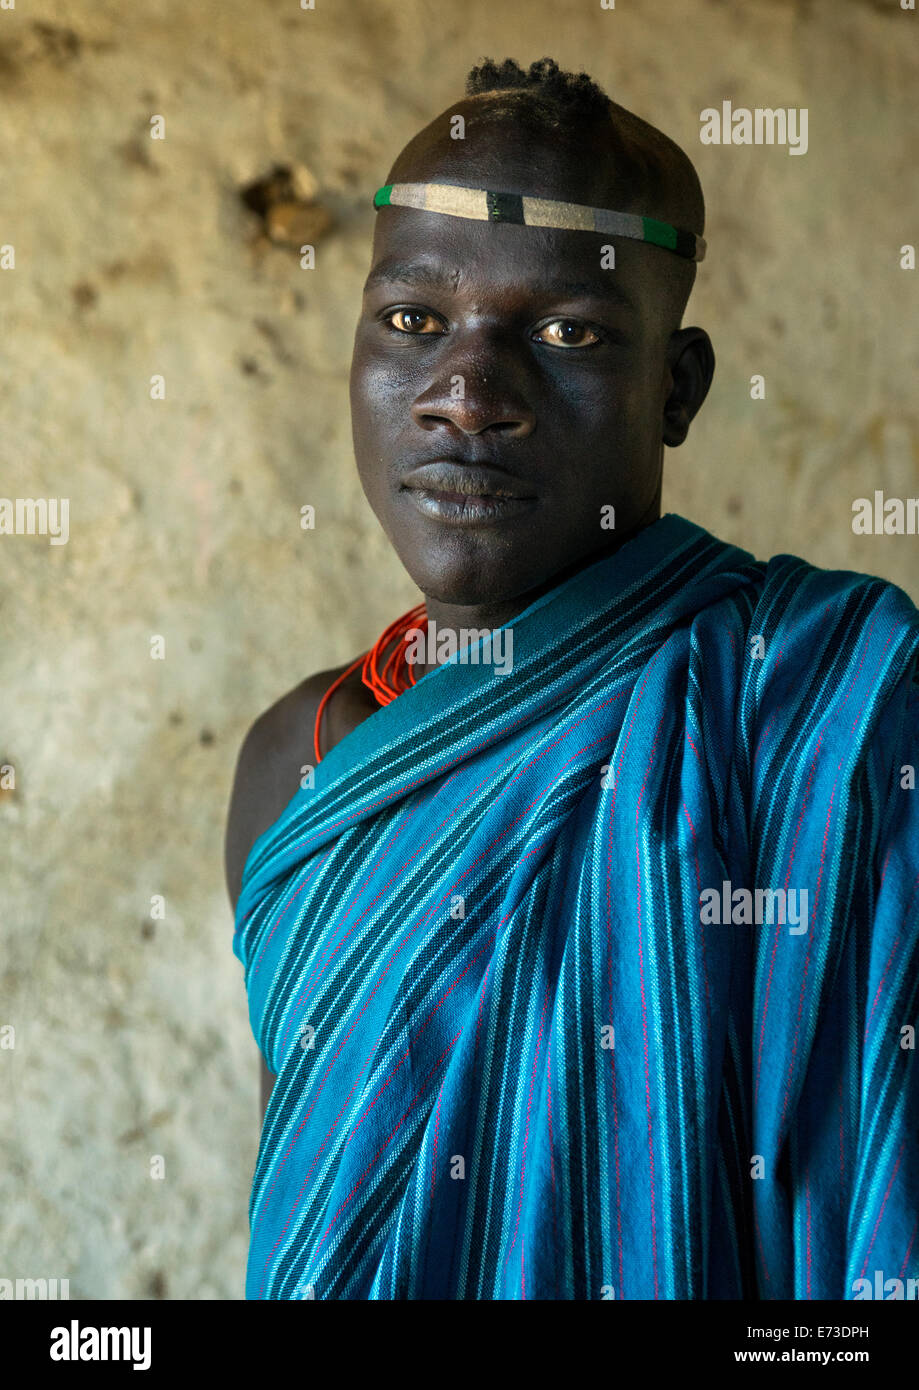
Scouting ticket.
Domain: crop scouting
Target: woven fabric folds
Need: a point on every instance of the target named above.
(595, 977)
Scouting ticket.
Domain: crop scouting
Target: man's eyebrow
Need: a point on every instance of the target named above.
(412, 272)
(425, 274)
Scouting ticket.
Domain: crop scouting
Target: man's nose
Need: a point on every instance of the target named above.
(478, 386)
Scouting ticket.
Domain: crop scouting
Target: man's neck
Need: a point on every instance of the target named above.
(479, 616)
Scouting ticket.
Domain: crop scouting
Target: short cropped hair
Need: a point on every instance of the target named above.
(560, 97)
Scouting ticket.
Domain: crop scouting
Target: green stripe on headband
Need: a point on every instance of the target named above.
(488, 205)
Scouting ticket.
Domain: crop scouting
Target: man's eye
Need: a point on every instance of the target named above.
(412, 321)
(567, 333)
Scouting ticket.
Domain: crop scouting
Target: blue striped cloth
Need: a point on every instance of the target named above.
(529, 1042)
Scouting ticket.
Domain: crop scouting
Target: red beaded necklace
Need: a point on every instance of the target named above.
(389, 680)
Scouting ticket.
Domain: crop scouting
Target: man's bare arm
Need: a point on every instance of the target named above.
(267, 775)
(274, 750)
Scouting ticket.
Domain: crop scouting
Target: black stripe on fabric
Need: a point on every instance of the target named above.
(380, 1210)
(665, 881)
(329, 885)
(362, 1232)
(430, 938)
(373, 1219)
(812, 702)
(740, 781)
(492, 1174)
(765, 623)
(784, 767)
(580, 1090)
(367, 1220)
(736, 1143)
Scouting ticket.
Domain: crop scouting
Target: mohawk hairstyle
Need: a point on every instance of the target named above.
(560, 97)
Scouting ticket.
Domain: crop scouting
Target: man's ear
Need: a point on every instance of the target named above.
(691, 360)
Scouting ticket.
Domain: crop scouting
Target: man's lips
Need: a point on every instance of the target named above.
(465, 494)
(451, 479)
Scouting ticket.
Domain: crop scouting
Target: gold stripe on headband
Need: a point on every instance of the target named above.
(544, 212)
(455, 202)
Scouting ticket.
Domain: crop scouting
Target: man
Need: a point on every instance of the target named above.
(589, 975)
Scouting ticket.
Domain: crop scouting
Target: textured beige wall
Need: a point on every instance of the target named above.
(136, 257)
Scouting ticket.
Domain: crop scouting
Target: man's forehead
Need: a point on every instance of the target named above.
(427, 250)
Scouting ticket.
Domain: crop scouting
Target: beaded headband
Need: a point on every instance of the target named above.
(485, 205)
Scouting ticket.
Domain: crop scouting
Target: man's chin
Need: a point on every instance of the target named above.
(466, 580)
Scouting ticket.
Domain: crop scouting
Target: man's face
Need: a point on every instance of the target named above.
(507, 347)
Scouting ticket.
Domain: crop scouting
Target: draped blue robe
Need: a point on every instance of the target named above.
(528, 1041)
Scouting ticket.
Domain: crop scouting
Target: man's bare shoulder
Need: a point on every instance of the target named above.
(269, 767)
